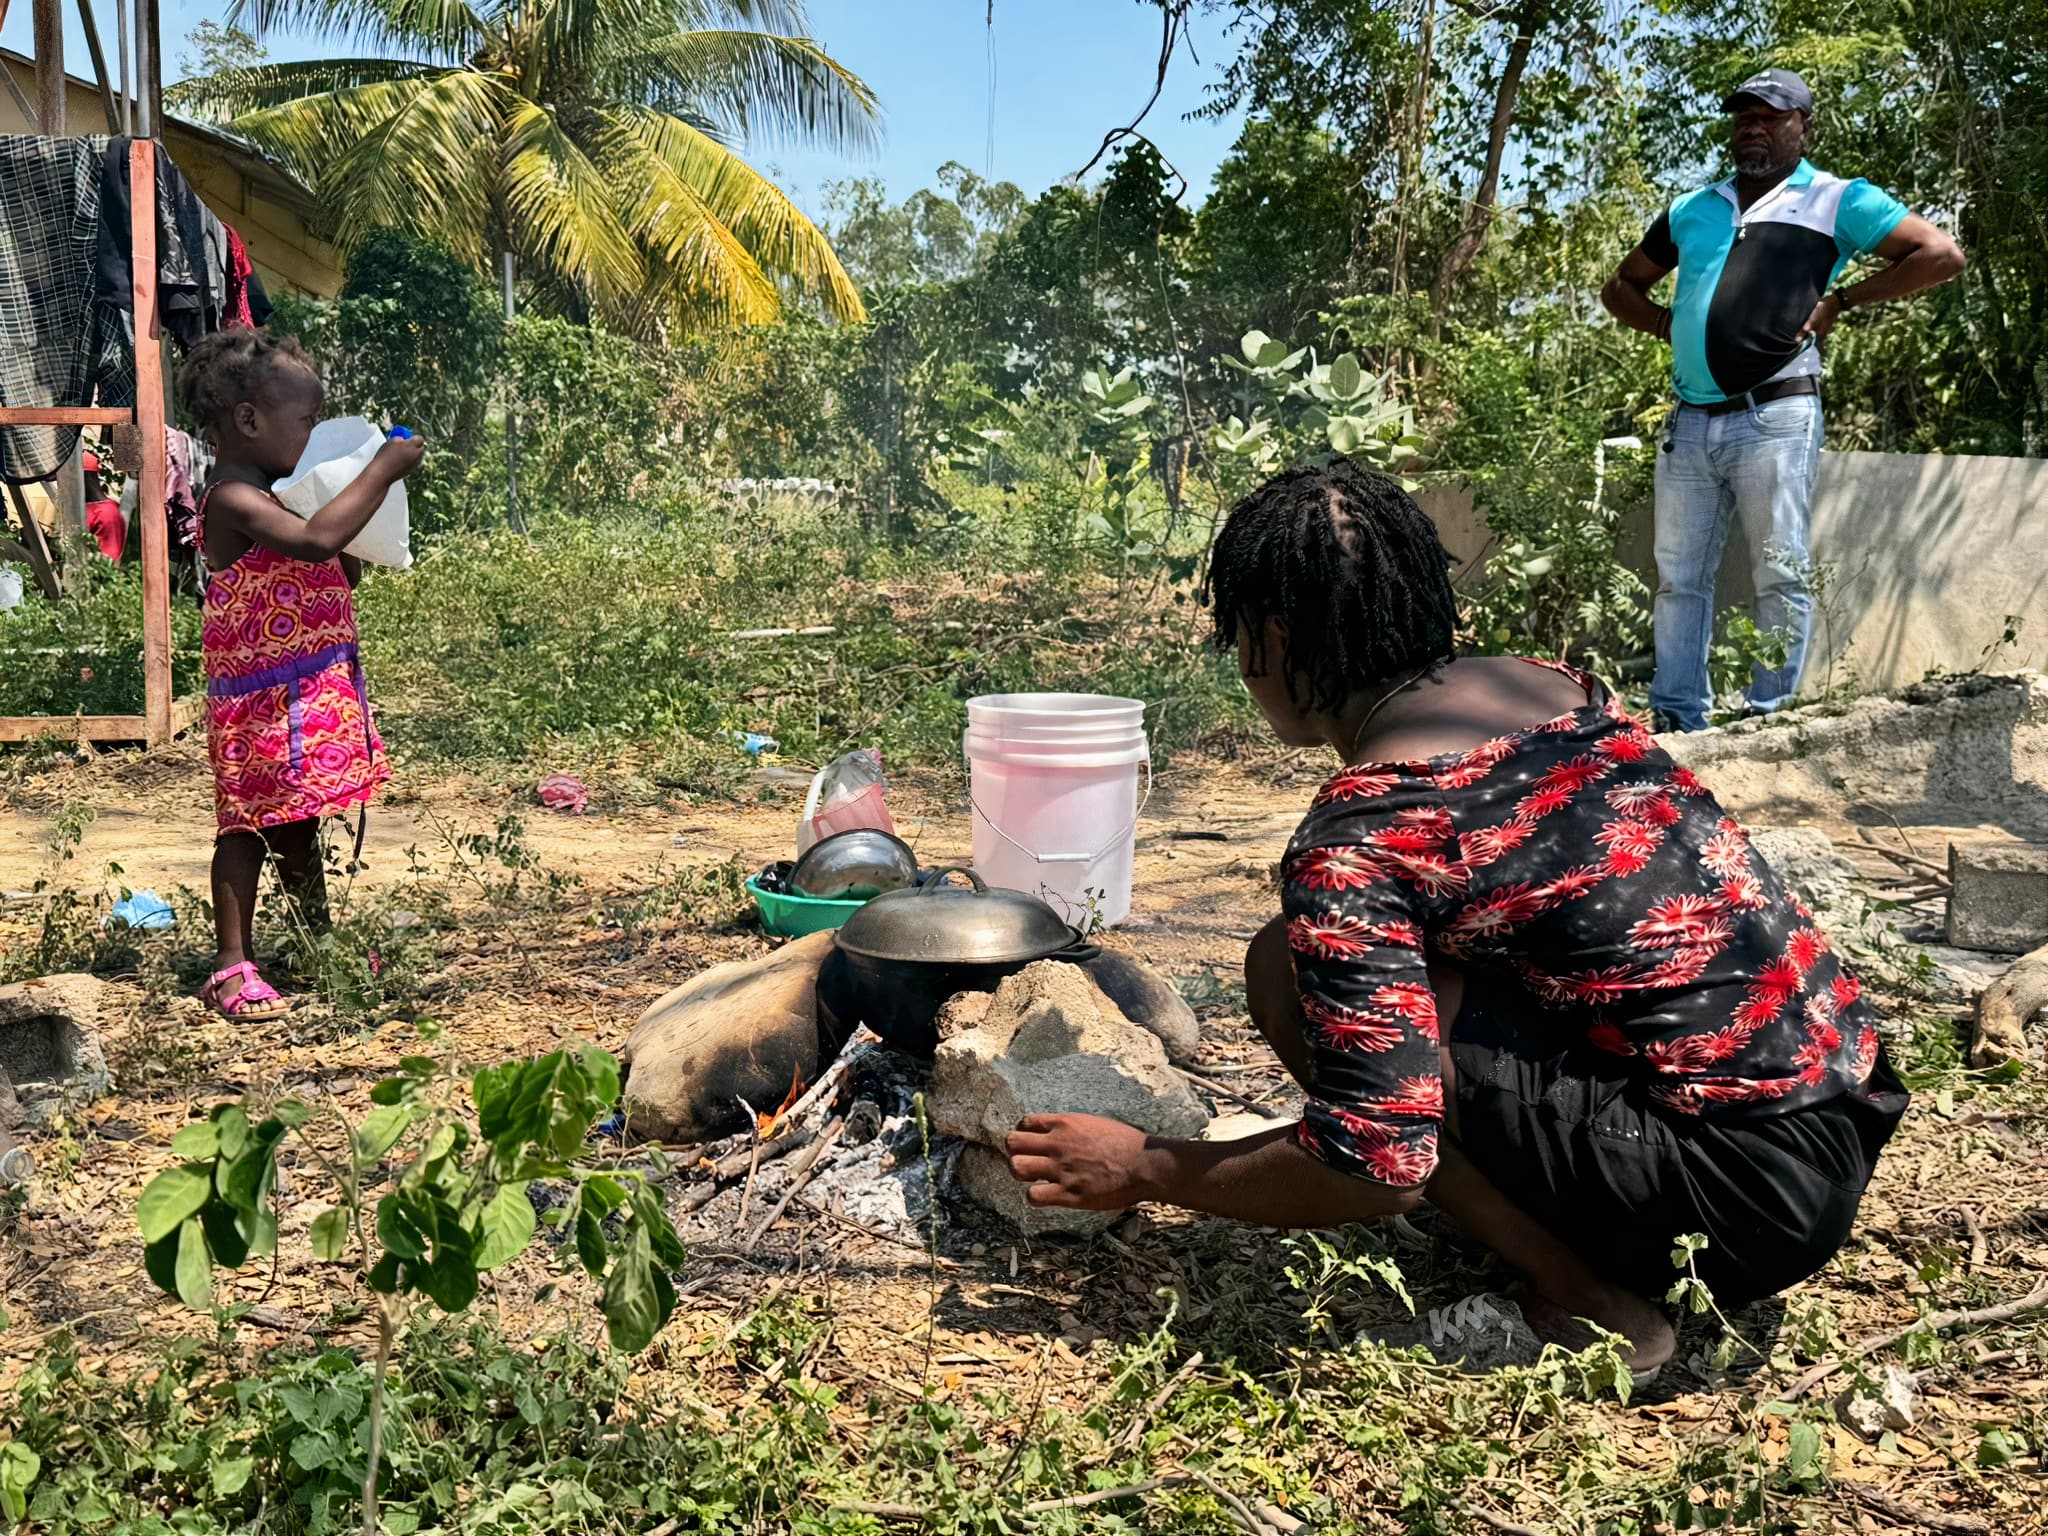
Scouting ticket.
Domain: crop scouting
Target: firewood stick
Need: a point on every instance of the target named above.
(798, 1181)
(1893, 1508)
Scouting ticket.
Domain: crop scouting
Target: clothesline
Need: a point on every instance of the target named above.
(67, 327)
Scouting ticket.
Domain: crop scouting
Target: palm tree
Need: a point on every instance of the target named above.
(596, 140)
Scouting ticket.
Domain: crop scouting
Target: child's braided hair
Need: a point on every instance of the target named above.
(228, 367)
(1351, 567)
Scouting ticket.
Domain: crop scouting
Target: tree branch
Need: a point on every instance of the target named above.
(1533, 17)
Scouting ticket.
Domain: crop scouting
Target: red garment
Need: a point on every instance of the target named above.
(1576, 859)
(235, 313)
(109, 527)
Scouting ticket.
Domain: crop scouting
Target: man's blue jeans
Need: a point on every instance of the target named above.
(1757, 465)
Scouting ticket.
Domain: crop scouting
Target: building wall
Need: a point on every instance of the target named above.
(272, 212)
(1924, 555)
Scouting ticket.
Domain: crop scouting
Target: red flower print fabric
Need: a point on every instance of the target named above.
(1578, 857)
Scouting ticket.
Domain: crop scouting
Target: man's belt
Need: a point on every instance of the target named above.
(1805, 384)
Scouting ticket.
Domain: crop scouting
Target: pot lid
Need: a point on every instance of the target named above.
(941, 924)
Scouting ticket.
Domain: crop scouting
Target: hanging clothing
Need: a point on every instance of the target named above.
(187, 304)
(181, 501)
(109, 526)
(287, 715)
(238, 312)
(51, 333)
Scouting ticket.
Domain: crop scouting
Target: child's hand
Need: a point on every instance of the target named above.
(399, 457)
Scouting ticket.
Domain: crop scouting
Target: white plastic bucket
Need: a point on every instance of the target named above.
(1055, 781)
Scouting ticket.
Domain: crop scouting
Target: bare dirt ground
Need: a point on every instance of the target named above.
(1957, 1219)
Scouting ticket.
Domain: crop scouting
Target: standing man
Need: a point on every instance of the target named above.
(1757, 257)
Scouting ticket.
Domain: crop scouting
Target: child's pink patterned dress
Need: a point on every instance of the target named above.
(287, 719)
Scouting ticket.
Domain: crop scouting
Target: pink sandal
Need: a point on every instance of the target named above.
(254, 999)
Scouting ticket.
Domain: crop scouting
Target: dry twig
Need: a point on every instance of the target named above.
(1136, 1431)
(734, 1164)
(1907, 860)
(1893, 1508)
(797, 1181)
(862, 1042)
(1980, 1245)
(2003, 1312)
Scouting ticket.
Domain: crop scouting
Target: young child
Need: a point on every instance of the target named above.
(288, 721)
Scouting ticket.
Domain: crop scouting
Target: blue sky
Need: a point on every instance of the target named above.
(1066, 72)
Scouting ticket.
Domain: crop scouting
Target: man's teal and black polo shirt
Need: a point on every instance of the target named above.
(1747, 280)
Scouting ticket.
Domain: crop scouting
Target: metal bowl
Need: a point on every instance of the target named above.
(852, 865)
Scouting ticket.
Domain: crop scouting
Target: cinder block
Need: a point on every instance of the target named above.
(2000, 901)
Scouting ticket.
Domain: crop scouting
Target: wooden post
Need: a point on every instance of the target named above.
(151, 86)
(99, 65)
(149, 417)
(34, 546)
(49, 19)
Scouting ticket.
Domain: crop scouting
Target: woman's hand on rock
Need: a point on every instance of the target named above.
(1084, 1162)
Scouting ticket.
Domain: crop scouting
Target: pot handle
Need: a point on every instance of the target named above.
(1080, 952)
(938, 878)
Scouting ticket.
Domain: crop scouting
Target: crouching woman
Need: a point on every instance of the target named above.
(1527, 970)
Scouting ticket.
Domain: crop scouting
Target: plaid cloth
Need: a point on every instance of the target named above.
(52, 335)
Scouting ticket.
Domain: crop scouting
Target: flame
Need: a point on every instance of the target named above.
(764, 1125)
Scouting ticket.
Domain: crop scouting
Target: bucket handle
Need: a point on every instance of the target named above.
(1070, 858)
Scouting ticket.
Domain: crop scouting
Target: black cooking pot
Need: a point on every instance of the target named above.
(905, 953)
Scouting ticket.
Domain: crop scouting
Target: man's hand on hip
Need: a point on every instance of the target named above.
(1823, 318)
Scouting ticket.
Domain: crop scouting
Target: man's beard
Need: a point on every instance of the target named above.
(1756, 161)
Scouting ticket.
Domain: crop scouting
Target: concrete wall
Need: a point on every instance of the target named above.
(273, 213)
(1929, 554)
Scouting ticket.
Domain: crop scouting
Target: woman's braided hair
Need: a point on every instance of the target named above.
(1352, 569)
(228, 367)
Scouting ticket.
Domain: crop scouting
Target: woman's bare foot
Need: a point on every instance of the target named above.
(1649, 1333)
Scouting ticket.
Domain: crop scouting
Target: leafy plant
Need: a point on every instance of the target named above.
(1303, 410)
(454, 1205)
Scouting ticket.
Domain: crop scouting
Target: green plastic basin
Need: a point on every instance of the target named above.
(791, 917)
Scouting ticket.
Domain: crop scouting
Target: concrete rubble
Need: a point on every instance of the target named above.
(1886, 1402)
(50, 1057)
(1960, 751)
(1048, 1041)
(2000, 901)
(1149, 1000)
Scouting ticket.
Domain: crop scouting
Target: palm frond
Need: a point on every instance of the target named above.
(418, 155)
(699, 270)
(759, 87)
(757, 212)
(223, 97)
(447, 31)
(562, 209)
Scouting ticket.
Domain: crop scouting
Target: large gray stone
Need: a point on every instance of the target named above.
(1051, 1042)
(1149, 1000)
(985, 1178)
(50, 1043)
(2000, 901)
(743, 1031)
(1804, 858)
(1048, 1041)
